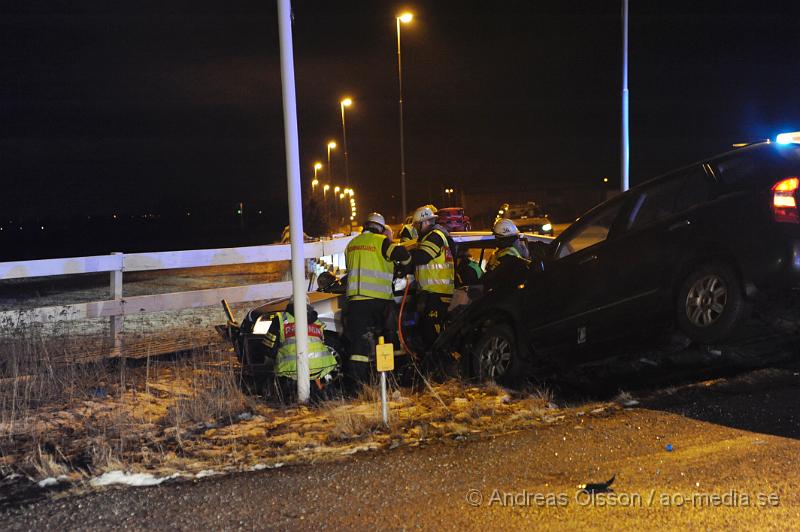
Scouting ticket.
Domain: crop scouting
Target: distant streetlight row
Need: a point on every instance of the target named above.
(405, 18)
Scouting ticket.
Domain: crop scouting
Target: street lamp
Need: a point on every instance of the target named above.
(325, 190)
(317, 167)
(405, 18)
(314, 184)
(347, 102)
(449, 192)
(331, 145)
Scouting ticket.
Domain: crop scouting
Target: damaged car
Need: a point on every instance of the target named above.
(692, 250)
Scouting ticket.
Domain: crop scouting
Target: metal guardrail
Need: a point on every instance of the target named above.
(330, 252)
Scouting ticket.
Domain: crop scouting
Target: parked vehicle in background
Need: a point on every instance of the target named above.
(528, 217)
(694, 249)
(453, 219)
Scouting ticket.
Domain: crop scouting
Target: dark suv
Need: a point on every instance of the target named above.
(694, 247)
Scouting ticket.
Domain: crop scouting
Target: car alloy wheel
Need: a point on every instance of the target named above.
(495, 357)
(706, 300)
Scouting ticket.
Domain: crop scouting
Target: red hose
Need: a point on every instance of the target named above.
(400, 322)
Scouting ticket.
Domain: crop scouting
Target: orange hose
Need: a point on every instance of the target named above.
(400, 322)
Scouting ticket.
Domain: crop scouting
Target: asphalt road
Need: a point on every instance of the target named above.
(733, 463)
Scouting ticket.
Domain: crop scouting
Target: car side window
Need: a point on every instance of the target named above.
(696, 189)
(668, 196)
(591, 231)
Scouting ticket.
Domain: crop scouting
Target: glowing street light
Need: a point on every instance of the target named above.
(331, 146)
(317, 167)
(346, 102)
(405, 18)
(325, 190)
(449, 192)
(314, 184)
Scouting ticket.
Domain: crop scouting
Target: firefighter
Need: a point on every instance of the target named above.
(408, 232)
(281, 337)
(435, 272)
(509, 257)
(370, 259)
(468, 271)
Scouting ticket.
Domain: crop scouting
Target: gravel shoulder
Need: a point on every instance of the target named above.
(720, 450)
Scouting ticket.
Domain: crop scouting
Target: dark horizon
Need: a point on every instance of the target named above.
(148, 107)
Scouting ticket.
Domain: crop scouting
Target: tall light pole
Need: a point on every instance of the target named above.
(317, 168)
(331, 145)
(347, 102)
(625, 155)
(449, 192)
(295, 196)
(404, 18)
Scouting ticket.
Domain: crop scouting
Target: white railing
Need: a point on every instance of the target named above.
(330, 252)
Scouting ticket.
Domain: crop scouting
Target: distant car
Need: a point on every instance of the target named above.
(528, 217)
(453, 219)
(693, 249)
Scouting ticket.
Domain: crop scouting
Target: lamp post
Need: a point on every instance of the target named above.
(404, 18)
(347, 102)
(449, 192)
(317, 168)
(314, 184)
(331, 145)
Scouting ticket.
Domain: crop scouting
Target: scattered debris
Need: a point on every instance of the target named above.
(598, 487)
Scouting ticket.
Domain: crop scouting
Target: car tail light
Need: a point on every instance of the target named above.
(784, 200)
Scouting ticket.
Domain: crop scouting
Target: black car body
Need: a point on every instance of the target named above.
(694, 247)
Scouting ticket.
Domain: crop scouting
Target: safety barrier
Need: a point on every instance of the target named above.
(329, 253)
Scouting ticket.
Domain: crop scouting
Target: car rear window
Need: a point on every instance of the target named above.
(759, 165)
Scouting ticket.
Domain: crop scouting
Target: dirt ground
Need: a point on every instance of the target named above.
(713, 454)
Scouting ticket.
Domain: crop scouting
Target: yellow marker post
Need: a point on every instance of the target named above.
(384, 357)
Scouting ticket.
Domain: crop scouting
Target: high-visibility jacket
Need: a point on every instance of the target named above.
(408, 232)
(494, 260)
(320, 360)
(369, 273)
(438, 275)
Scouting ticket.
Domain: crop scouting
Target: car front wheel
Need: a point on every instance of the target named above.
(496, 357)
(710, 303)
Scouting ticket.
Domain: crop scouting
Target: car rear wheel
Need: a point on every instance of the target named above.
(496, 357)
(710, 303)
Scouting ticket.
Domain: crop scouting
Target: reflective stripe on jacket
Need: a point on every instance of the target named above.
(320, 360)
(369, 274)
(494, 260)
(438, 275)
(408, 232)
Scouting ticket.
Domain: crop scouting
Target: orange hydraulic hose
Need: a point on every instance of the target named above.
(400, 322)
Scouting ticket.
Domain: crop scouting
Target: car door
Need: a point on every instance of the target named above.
(652, 235)
(573, 281)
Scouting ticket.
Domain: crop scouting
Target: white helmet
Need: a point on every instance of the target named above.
(505, 227)
(376, 218)
(422, 214)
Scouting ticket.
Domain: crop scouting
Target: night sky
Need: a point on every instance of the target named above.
(143, 106)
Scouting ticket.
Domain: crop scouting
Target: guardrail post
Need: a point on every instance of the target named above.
(116, 322)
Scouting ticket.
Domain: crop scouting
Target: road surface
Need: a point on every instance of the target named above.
(733, 463)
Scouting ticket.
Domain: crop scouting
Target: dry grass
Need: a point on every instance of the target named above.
(190, 414)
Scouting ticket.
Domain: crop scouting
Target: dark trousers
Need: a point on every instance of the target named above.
(365, 321)
(434, 312)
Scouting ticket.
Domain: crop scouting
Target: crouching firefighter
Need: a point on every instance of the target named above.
(282, 339)
(370, 259)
